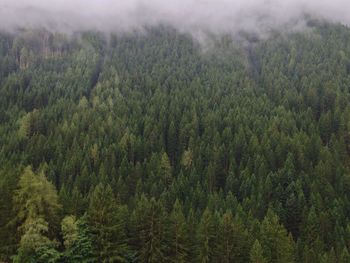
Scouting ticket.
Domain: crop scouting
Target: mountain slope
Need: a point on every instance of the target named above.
(227, 154)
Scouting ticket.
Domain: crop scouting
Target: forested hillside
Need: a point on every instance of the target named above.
(150, 147)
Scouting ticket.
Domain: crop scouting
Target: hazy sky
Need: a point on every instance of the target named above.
(195, 16)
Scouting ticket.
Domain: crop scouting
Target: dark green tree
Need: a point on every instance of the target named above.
(106, 221)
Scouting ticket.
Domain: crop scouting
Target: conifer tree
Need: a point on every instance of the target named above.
(165, 170)
(256, 253)
(36, 204)
(206, 237)
(277, 245)
(149, 231)
(36, 197)
(345, 256)
(178, 234)
(106, 221)
(227, 239)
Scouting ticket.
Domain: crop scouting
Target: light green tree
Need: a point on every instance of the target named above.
(256, 253)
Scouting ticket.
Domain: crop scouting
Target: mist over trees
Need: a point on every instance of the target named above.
(142, 147)
(199, 18)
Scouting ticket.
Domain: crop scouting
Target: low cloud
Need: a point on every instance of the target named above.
(191, 16)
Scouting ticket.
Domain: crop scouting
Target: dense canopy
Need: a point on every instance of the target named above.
(150, 147)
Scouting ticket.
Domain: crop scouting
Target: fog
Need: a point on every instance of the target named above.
(192, 16)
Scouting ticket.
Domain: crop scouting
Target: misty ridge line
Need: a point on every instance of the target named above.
(196, 17)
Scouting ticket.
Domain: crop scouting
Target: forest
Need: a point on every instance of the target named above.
(152, 147)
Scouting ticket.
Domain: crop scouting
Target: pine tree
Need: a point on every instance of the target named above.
(165, 170)
(192, 233)
(178, 243)
(149, 231)
(36, 204)
(256, 253)
(106, 220)
(36, 197)
(78, 203)
(345, 256)
(206, 237)
(172, 142)
(227, 239)
(8, 183)
(332, 257)
(277, 245)
(311, 227)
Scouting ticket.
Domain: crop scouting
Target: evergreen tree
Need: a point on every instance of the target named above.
(227, 240)
(206, 237)
(345, 256)
(165, 170)
(36, 203)
(256, 253)
(235, 129)
(36, 197)
(149, 231)
(178, 233)
(277, 245)
(106, 221)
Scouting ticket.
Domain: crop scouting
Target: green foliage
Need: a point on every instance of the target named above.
(106, 220)
(344, 256)
(35, 196)
(80, 246)
(165, 170)
(69, 228)
(34, 245)
(163, 151)
(233, 242)
(36, 204)
(149, 230)
(206, 237)
(256, 253)
(178, 235)
(277, 245)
